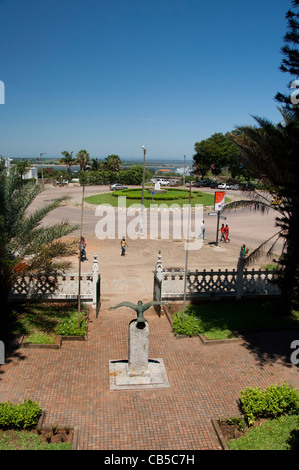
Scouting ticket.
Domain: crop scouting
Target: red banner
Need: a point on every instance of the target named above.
(219, 200)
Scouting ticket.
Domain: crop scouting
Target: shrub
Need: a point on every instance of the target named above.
(21, 416)
(271, 402)
(169, 195)
(192, 325)
(69, 327)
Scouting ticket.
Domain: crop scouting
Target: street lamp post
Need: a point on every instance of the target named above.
(187, 254)
(41, 154)
(142, 194)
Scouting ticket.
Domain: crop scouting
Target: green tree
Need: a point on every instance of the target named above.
(82, 158)
(216, 152)
(22, 167)
(95, 164)
(113, 163)
(271, 150)
(290, 61)
(67, 159)
(26, 245)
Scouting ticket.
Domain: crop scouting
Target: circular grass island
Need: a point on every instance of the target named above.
(169, 197)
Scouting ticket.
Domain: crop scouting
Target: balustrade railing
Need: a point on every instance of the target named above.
(59, 286)
(169, 282)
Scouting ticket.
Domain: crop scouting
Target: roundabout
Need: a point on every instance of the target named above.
(165, 196)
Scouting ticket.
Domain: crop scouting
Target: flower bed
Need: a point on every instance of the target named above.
(22, 428)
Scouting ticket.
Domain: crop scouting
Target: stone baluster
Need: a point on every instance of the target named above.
(239, 282)
(95, 271)
(159, 267)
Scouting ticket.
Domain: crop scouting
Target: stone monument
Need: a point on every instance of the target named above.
(138, 371)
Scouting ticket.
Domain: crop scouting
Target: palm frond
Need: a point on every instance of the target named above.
(247, 204)
(43, 236)
(259, 251)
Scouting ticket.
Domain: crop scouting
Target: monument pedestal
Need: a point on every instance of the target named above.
(138, 371)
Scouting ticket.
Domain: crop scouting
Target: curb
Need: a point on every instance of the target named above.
(44, 427)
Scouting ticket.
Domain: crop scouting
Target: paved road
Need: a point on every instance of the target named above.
(131, 277)
(246, 226)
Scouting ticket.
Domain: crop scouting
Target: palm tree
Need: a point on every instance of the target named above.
(271, 151)
(113, 163)
(24, 241)
(23, 166)
(67, 159)
(82, 159)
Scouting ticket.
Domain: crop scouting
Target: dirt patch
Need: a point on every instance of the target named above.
(46, 436)
(234, 430)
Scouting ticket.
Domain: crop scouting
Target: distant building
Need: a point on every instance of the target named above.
(31, 173)
(182, 170)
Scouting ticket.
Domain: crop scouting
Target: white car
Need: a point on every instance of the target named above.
(222, 186)
(117, 186)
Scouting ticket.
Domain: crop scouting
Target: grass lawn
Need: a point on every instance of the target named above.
(276, 434)
(37, 322)
(218, 320)
(171, 196)
(25, 440)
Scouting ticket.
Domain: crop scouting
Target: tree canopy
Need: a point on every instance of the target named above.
(24, 241)
(215, 153)
(271, 151)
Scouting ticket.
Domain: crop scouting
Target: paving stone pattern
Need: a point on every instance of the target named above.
(72, 384)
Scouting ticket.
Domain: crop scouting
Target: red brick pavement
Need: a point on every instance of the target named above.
(72, 384)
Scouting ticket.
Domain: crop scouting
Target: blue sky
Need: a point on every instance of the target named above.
(110, 76)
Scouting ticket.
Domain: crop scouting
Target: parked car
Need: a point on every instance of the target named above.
(163, 182)
(203, 183)
(214, 185)
(174, 183)
(117, 186)
(247, 187)
(222, 186)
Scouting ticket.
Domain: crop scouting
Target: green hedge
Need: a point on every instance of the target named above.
(192, 325)
(270, 402)
(169, 195)
(132, 176)
(69, 327)
(21, 416)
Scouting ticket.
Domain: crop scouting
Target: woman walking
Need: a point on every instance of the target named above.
(226, 233)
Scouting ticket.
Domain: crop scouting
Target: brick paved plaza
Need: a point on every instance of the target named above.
(72, 383)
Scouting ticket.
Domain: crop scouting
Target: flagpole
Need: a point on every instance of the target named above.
(80, 258)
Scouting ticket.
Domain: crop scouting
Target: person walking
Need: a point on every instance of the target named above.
(226, 233)
(243, 251)
(123, 245)
(203, 230)
(83, 245)
(222, 230)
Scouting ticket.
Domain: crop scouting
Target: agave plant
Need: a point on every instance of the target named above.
(25, 243)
